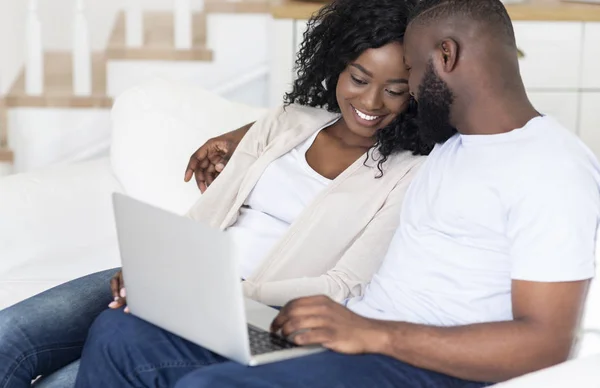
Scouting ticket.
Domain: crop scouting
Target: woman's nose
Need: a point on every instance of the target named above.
(372, 100)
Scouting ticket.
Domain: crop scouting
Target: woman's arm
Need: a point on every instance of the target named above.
(355, 268)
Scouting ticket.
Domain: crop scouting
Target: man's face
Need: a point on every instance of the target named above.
(432, 94)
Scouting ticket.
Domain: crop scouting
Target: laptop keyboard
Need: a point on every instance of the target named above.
(262, 342)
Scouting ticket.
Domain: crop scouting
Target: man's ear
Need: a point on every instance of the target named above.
(447, 54)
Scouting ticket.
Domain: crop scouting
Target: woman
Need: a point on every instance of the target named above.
(312, 194)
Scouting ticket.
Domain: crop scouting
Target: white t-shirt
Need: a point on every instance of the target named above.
(283, 191)
(483, 210)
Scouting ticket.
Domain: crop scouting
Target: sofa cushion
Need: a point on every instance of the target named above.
(55, 224)
(156, 127)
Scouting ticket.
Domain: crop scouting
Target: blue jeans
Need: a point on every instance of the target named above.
(45, 333)
(124, 351)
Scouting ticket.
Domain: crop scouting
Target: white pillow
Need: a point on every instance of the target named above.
(156, 128)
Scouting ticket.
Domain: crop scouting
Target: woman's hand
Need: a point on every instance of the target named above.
(210, 159)
(117, 286)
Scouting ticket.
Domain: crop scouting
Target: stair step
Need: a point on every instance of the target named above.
(6, 155)
(159, 40)
(3, 123)
(58, 85)
(237, 6)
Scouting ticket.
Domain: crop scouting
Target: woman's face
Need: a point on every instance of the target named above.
(373, 89)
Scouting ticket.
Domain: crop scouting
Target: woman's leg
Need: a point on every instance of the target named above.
(124, 351)
(62, 378)
(46, 332)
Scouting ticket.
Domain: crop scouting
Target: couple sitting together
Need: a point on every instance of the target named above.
(460, 269)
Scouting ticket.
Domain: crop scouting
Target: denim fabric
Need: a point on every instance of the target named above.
(124, 351)
(46, 332)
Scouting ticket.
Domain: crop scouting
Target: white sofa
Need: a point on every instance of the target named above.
(57, 224)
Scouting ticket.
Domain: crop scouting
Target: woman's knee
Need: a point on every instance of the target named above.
(111, 328)
(117, 335)
(19, 330)
(109, 337)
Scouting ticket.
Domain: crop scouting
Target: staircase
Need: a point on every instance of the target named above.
(165, 48)
(159, 40)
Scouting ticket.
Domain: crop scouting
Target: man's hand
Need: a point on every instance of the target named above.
(319, 320)
(210, 159)
(117, 286)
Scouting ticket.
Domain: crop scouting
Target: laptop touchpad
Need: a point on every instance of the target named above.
(259, 315)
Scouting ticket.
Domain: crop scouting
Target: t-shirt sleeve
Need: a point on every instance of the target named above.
(552, 224)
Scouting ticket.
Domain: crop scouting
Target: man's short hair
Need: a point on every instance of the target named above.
(490, 13)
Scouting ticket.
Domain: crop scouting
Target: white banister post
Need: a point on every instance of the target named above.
(183, 24)
(212, 27)
(34, 66)
(82, 53)
(134, 24)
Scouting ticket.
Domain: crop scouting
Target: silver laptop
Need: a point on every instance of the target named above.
(181, 276)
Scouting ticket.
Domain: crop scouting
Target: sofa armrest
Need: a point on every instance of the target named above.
(583, 372)
(50, 216)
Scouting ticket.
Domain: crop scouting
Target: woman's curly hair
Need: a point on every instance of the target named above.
(338, 34)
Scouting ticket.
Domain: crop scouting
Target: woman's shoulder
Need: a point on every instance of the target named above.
(288, 121)
(306, 115)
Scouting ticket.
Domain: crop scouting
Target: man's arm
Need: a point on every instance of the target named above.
(546, 317)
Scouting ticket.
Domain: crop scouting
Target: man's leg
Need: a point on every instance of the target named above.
(324, 370)
(124, 351)
(46, 332)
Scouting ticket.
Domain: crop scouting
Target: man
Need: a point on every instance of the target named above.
(488, 272)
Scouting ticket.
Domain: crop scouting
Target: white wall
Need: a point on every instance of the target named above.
(240, 46)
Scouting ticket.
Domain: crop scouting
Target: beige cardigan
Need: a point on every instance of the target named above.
(338, 242)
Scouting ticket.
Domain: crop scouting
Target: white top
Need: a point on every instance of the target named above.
(283, 191)
(483, 210)
(309, 259)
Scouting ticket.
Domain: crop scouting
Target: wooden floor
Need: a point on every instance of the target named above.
(159, 40)
(58, 85)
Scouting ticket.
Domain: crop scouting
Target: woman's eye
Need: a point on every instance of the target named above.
(396, 93)
(358, 81)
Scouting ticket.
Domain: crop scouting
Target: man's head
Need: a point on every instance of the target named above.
(460, 53)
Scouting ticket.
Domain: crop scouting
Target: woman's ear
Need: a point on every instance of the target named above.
(448, 54)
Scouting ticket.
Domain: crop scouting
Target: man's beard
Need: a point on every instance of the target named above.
(435, 101)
